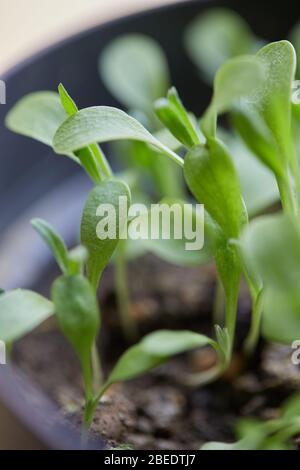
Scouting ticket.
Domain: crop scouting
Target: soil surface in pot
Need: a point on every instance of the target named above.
(157, 411)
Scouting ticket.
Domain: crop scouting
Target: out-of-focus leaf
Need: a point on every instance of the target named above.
(37, 115)
(20, 312)
(215, 37)
(271, 248)
(153, 350)
(237, 78)
(135, 70)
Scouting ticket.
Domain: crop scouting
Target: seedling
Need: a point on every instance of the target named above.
(275, 434)
(74, 293)
(255, 90)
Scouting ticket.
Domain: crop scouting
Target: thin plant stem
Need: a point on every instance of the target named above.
(97, 369)
(252, 338)
(219, 303)
(101, 160)
(129, 326)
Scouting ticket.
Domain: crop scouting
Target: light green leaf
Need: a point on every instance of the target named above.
(212, 178)
(264, 118)
(101, 250)
(20, 312)
(215, 37)
(271, 248)
(37, 115)
(153, 350)
(135, 70)
(54, 242)
(174, 116)
(271, 245)
(103, 124)
(258, 137)
(237, 78)
(274, 98)
(67, 102)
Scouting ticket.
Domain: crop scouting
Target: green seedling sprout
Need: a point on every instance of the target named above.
(256, 92)
(74, 293)
(275, 434)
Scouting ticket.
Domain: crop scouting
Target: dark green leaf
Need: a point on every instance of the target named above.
(258, 184)
(174, 116)
(212, 178)
(101, 250)
(77, 312)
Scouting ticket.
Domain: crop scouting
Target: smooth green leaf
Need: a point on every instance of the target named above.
(258, 137)
(271, 245)
(174, 116)
(216, 36)
(212, 178)
(101, 250)
(103, 124)
(264, 118)
(258, 184)
(237, 78)
(274, 98)
(66, 101)
(37, 115)
(20, 312)
(135, 70)
(54, 242)
(153, 350)
(77, 312)
(271, 248)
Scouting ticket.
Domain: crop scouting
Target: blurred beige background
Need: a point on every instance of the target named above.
(29, 25)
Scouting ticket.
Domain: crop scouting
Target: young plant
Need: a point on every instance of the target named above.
(275, 434)
(74, 293)
(101, 124)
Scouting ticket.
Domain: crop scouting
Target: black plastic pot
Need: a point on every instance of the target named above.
(33, 182)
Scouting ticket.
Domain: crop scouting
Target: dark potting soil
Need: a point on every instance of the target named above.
(158, 411)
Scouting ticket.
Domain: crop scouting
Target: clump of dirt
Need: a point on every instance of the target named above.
(157, 411)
